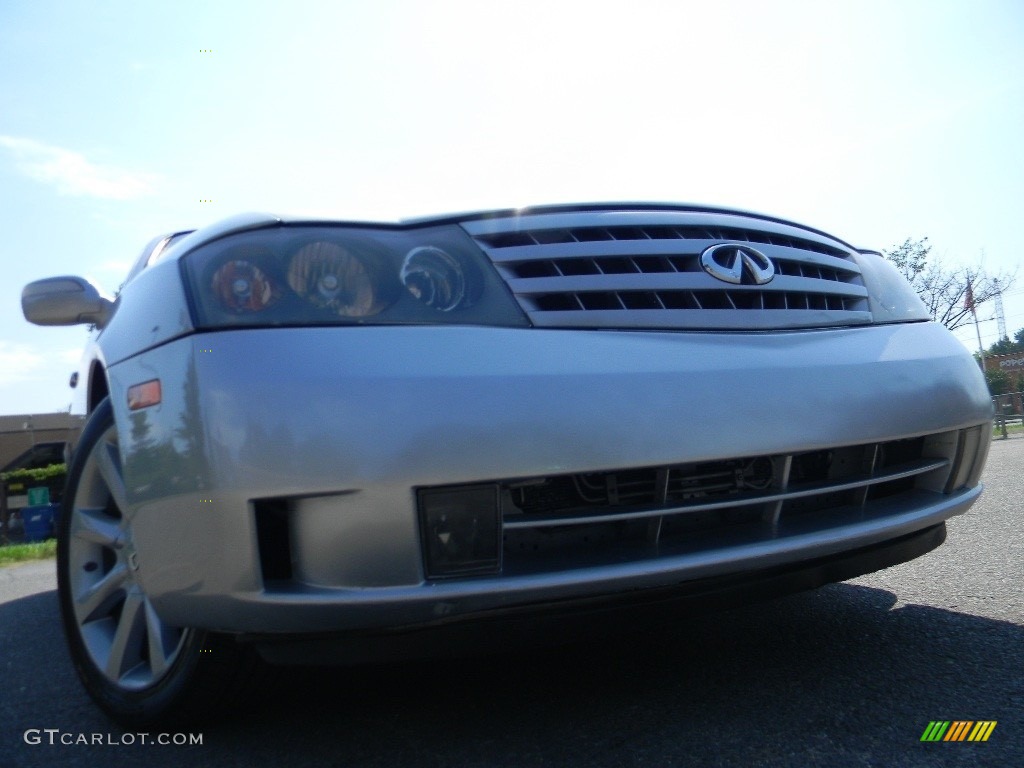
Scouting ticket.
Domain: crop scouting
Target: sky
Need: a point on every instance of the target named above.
(119, 121)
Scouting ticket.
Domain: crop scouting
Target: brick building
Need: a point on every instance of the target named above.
(1013, 365)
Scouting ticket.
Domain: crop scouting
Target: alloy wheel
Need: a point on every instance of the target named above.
(122, 633)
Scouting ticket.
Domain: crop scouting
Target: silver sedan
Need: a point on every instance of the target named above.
(326, 440)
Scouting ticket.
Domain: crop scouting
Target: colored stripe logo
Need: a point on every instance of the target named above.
(958, 730)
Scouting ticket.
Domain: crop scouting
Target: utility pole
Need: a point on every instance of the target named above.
(969, 304)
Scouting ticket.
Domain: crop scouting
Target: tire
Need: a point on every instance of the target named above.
(139, 670)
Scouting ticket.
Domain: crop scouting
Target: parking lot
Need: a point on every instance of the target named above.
(850, 674)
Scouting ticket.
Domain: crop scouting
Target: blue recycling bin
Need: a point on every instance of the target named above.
(38, 522)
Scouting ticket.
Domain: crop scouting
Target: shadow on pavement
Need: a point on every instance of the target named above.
(832, 677)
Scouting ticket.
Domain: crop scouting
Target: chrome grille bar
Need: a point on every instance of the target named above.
(673, 281)
(627, 248)
(910, 469)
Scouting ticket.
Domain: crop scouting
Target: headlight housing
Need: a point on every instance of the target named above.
(307, 274)
(891, 298)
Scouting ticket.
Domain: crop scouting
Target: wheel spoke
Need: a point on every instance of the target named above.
(158, 651)
(96, 527)
(89, 603)
(108, 461)
(127, 643)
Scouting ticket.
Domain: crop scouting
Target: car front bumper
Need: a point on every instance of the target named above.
(346, 423)
(578, 619)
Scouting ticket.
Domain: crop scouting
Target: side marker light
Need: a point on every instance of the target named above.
(144, 395)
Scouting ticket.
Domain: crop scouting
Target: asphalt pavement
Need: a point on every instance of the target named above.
(850, 674)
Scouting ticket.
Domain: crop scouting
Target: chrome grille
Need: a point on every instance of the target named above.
(641, 269)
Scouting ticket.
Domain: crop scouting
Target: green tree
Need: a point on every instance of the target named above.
(944, 289)
(1003, 347)
(1006, 346)
(998, 382)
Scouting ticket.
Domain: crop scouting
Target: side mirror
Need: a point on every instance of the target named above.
(65, 300)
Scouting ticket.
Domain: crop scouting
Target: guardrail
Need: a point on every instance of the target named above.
(1008, 411)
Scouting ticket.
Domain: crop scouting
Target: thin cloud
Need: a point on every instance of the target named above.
(72, 174)
(17, 362)
(120, 267)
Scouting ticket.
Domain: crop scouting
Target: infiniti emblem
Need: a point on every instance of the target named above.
(728, 262)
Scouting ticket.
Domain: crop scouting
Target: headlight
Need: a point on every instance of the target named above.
(343, 275)
(435, 278)
(331, 276)
(241, 286)
(891, 298)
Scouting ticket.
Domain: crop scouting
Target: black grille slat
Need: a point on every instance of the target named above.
(688, 300)
(653, 264)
